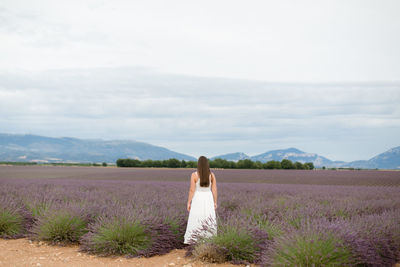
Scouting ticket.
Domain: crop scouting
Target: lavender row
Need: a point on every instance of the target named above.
(267, 224)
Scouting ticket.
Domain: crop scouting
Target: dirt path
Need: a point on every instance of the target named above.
(23, 252)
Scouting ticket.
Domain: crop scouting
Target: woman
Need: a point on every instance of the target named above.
(202, 201)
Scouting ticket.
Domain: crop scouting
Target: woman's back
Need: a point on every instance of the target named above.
(203, 188)
(202, 209)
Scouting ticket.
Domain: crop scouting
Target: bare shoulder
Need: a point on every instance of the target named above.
(213, 177)
(194, 176)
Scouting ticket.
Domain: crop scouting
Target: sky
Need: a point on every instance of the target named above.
(205, 77)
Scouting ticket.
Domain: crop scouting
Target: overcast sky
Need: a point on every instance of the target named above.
(205, 77)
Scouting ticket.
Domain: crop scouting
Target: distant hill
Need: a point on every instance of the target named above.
(36, 148)
(47, 149)
(232, 156)
(292, 154)
(387, 160)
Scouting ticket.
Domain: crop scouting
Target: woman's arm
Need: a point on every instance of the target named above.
(191, 190)
(214, 189)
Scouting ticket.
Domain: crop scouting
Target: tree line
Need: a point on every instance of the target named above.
(217, 163)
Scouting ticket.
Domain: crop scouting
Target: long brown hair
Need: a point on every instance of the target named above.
(203, 168)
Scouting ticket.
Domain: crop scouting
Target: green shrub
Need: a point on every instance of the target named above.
(273, 230)
(231, 243)
(11, 224)
(38, 209)
(120, 237)
(311, 250)
(340, 213)
(175, 227)
(59, 227)
(295, 221)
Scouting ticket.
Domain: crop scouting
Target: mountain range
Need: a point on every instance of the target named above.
(48, 149)
(34, 148)
(387, 160)
(292, 154)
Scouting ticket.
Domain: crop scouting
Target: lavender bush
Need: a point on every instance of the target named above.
(10, 224)
(59, 226)
(232, 242)
(14, 218)
(312, 244)
(266, 224)
(122, 236)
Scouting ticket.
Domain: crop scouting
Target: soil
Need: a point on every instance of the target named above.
(24, 252)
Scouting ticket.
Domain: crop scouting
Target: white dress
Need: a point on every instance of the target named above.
(202, 209)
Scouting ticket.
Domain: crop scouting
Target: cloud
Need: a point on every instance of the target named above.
(205, 75)
(195, 114)
(265, 40)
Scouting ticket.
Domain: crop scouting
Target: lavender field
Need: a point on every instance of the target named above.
(270, 218)
(318, 177)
